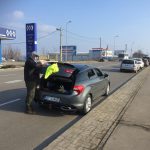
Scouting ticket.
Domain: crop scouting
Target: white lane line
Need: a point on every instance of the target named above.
(14, 81)
(10, 102)
(6, 75)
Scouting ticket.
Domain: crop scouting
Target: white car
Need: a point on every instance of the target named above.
(140, 62)
(129, 65)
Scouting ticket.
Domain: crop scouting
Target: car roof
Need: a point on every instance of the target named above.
(80, 66)
(128, 60)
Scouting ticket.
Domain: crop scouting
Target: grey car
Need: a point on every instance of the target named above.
(74, 87)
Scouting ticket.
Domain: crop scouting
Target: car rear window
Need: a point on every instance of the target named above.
(127, 62)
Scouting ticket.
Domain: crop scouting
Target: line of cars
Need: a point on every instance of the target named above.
(134, 64)
(74, 87)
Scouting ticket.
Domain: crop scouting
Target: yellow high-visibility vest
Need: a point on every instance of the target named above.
(50, 70)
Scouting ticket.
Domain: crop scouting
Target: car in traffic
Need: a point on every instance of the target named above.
(74, 87)
(139, 62)
(129, 65)
(146, 62)
(147, 57)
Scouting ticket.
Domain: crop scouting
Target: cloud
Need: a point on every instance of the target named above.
(46, 28)
(17, 14)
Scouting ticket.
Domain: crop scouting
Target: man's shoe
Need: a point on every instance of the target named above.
(28, 111)
(33, 111)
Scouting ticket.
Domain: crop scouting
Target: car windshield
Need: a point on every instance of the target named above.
(128, 62)
(137, 59)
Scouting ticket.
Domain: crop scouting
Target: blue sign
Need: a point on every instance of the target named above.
(31, 38)
(7, 34)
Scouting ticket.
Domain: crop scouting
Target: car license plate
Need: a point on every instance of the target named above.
(52, 99)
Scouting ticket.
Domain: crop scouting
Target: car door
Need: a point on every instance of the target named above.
(93, 82)
(102, 82)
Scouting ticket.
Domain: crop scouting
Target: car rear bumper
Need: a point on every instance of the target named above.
(128, 69)
(66, 101)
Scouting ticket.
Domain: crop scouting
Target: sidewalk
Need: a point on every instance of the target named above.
(133, 130)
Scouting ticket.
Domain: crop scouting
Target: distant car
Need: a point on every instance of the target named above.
(129, 65)
(146, 62)
(74, 87)
(140, 62)
(147, 57)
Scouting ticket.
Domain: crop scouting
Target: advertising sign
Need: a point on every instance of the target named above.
(7, 34)
(31, 38)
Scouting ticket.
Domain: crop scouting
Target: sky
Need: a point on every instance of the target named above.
(116, 22)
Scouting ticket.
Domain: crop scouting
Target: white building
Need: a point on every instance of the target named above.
(98, 53)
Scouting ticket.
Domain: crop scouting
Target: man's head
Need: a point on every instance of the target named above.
(34, 56)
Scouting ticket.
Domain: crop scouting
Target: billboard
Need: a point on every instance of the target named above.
(70, 50)
(7, 34)
(31, 38)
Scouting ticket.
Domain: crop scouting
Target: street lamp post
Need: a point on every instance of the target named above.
(115, 41)
(66, 37)
(60, 29)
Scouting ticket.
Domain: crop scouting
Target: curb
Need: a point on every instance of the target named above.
(92, 131)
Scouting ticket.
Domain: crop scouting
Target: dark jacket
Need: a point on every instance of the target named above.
(31, 70)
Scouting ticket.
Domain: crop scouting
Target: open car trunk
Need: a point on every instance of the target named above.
(61, 82)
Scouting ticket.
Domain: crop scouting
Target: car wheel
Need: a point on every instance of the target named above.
(107, 90)
(87, 105)
(135, 71)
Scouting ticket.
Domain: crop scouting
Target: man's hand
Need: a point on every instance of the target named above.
(43, 62)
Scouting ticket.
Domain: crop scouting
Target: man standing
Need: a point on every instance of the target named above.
(31, 78)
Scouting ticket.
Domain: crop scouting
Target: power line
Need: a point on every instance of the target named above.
(44, 36)
(81, 36)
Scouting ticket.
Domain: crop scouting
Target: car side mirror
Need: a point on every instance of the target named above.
(105, 75)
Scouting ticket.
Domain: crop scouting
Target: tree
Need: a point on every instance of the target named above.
(11, 53)
(138, 54)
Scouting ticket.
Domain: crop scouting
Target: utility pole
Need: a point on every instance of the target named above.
(100, 42)
(126, 47)
(66, 38)
(60, 29)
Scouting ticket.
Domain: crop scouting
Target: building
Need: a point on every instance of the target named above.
(117, 52)
(98, 53)
(81, 57)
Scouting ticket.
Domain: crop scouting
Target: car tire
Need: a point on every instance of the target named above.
(135, 71)
(87, 105)
(107, 90)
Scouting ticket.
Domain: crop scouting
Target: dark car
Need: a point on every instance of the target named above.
(146, 62)
(74, 87)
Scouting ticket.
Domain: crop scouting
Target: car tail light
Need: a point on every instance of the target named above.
(69, 71)
(79, 89)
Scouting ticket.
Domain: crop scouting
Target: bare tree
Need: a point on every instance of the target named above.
(138, 54)
(11, 53)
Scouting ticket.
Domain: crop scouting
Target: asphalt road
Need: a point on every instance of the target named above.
(19, 131)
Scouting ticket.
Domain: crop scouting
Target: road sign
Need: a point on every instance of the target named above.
(7, 34)
(31, 38)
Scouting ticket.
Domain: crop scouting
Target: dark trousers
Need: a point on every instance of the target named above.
(31, 87)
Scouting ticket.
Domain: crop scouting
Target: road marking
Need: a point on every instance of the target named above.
(6, 75)
(14, 81)
(10, 102)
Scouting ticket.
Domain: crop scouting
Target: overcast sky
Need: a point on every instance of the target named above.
(129, 20)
